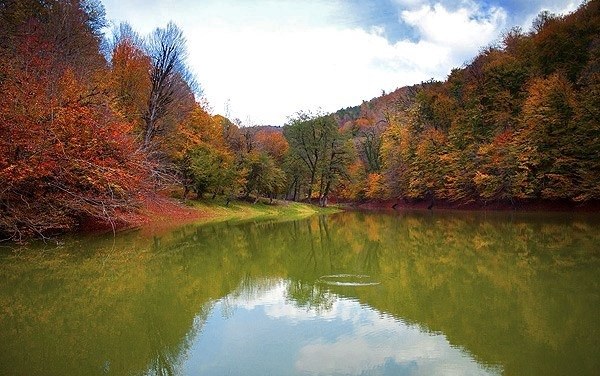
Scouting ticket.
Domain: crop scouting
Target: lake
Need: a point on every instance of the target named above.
(413, 293)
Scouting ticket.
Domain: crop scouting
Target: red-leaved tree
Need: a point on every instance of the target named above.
(65, 156)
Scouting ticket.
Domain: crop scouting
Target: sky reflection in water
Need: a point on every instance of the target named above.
(265, 332)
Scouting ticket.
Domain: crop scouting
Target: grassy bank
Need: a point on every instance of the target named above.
(216, 210)
(162, 213)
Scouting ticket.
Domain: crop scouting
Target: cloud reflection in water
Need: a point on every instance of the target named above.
(266, 332)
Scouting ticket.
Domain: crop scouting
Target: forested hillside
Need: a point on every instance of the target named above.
(94, 121)
(520, 122)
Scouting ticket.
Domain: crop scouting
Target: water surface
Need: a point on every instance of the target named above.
(347, 294)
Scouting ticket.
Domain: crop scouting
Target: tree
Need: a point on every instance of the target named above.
(374, 186)
(273, 143)
(368, 142)
(129, 79)
(587, 117)
(65, 156)
(429, 166)
(338, 154)
(497, 173)
(311, 138)
(209, 169)
(549, 140)
(297, 175)
(231, 134)
(153, 88)
(397, 153)
(171, 83)
(263, 176)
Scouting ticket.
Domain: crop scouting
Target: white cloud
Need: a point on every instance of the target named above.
(459, 31)
(269, 76)
(271, 59)
(371, 345)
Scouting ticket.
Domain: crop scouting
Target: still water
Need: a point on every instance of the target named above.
(346, 294)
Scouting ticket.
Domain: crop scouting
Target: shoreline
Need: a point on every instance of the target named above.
(473, 206)
(160, 213)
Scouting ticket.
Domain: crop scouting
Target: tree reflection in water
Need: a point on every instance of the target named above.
(518, 293)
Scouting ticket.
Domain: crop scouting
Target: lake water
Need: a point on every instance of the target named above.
(347, 294)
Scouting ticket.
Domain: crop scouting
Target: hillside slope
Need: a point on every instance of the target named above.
(521, 122)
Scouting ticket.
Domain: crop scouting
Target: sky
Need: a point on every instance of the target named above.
(262, 61)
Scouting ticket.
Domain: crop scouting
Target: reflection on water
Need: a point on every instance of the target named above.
(354, 293)
(347, 338)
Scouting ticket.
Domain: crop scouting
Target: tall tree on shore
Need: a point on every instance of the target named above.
(153, 87)
(171, 82)
(129, 75)
(316, 141)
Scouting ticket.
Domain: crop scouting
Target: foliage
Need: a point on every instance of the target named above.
(210, 170)
(129, 79)
(263, 176)
(520, 122)
(83, 138)
(64, 154)
(272, 143)
(317, 143)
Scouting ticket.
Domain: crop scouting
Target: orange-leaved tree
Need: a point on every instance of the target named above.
(273, 143)
(129, 76)
(65, 156)
(199, 150)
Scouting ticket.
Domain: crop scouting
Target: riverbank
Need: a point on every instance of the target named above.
(524, 206)
(216, 210)
(158, 212)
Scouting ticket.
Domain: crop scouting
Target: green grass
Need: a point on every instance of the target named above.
(217, 211)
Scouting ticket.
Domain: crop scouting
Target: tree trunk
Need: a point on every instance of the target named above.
(323, 199)
(321, 187)
(296, 186)
(312, 181)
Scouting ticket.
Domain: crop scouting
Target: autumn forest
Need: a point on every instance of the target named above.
(93, 123)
